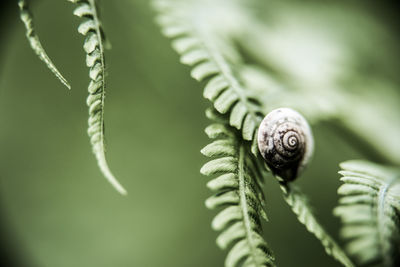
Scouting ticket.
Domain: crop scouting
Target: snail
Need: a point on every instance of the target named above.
(285, 142)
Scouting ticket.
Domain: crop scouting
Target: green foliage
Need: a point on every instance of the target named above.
(369, 208)
(299, 204)
(248, 71)
(33, 39)
(212, 56)
(238, 189)
(94, 47)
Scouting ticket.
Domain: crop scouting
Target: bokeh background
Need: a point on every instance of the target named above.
(58, 210)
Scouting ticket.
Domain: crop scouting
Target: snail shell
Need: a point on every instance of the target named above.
(286, 143)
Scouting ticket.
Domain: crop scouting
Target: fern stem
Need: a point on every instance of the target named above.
(244, 205)
(297, 201)
(27, 19)
(381, 221)
(101, 157)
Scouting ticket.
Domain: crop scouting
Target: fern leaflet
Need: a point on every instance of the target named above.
(93, 46)
(298, 202)
(27, 19)
(211, 57)
(370, 211)
(239, 192)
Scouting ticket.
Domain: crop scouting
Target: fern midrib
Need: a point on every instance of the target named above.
(225, 70)
(98, 34)
(382, 218)
(243, 202)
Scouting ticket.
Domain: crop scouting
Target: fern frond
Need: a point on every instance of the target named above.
(27, 19)
(299, 204)
(237, 189)
(212, 59)
(91, 28)
(370, 211)
(209, 51)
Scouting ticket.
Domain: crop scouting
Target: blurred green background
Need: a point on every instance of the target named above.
(58, 210)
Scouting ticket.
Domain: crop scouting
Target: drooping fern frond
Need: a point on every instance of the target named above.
(211, 53)
(299, 204)
(369, 209)
(237, 188)
(27, 19)
(91, 28)
(211, 57)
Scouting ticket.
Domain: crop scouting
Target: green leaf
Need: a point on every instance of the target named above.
(369, 209)
(211, 57)
(238, 191)
(94, 48)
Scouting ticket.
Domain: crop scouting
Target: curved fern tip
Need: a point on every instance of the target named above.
(108, 174)
(118, 186)
(114, 182)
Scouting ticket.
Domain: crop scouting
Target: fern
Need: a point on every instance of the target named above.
(370, 211)
(34, 42)
(203, 52)
(211, 56)
(238, 190)
(298, 202)
(91, 28)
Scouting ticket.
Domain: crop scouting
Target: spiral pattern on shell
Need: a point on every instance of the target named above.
(285, 142)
